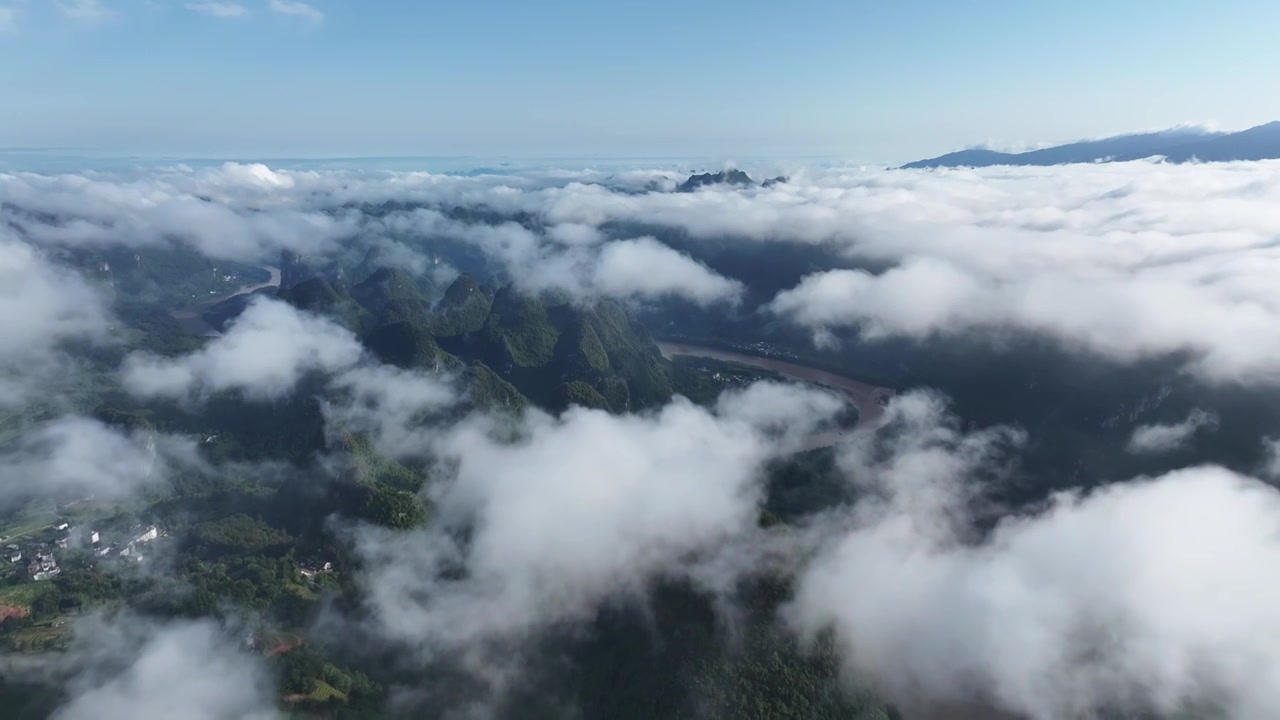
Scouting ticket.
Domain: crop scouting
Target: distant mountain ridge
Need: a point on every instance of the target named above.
(1176, 145)
(725, 177)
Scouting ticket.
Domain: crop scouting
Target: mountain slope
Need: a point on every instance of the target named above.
(1176, 145)
(318, 295)
(392, 296)
(463, 309)
(1256, 143)
(724, 177)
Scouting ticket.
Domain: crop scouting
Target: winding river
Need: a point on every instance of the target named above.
(273, 281)
(864, 396)
(190, 317)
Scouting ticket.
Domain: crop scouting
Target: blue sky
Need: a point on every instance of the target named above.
(874, 81)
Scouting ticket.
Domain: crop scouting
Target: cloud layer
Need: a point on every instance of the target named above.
(563, 514)
(1144, 596)
(1126, 260)
(130, 667)
(42, 305)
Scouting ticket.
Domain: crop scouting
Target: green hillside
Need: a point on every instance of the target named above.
(463, 309)
(319, 296)
(409, 345)
(392, 296)
(509, 347)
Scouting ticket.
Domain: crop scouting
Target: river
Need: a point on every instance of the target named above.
(273, 281)
(195, 324)
(864, 396)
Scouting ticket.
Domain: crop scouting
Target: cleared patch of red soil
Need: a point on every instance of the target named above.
(8, 611)
(284, 645)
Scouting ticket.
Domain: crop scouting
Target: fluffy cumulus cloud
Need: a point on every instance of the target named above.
(42, 304)
(1126, 260)
(562, 514)
(130, 667)
(1141, 597)
(242, 212)
(264, 354)
(576, 258)
(1117, 314)
(647, 269)
(1160, 438)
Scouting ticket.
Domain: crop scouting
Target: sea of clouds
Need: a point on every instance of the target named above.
(1146, 595)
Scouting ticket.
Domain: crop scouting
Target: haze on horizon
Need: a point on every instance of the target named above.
(857, 81)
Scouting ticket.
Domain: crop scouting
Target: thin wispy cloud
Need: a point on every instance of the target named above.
(8, 20)
(219, 9)
(86, 11)
(1159, 438)
(299, 9)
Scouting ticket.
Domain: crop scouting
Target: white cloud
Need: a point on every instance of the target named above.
(917, 299)
(264, 353)
(298, 9)
(1217, 315)
(218, 9)
(1133, 245)
(565, 513)
(1142, 597)
(571, 259)
(1166, 438)
(8, 20)
(42, 305)
(241, 212)
(1270, 467)
(1151, 259)
(73, 454)
(86, 11)
(78, 453)
(390, 405)
(129, 667)
(1112, 314)
(647, 269)
(575, 234)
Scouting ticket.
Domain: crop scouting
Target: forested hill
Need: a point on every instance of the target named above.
(512, 345)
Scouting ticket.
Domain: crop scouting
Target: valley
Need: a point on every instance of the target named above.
(870, 400)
